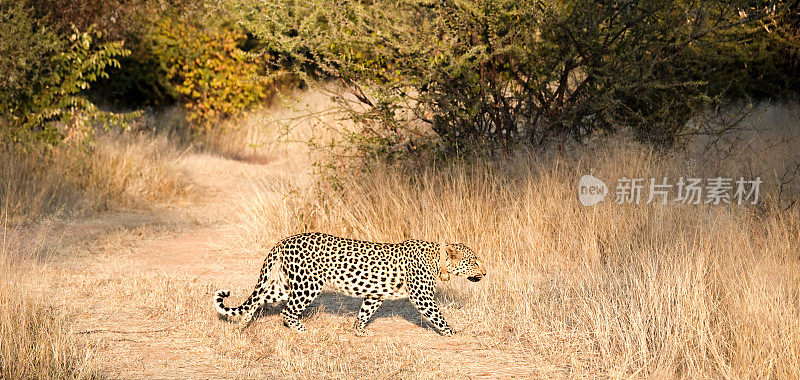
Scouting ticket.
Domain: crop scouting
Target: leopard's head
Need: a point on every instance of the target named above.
(459, 260)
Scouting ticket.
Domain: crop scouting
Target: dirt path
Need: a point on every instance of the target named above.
(140, 289)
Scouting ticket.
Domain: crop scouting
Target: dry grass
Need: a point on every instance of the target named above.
(280, 131)
(36, 338)
(170, 315)
(606, 291)
(137, 170)
(121, 171)
(611, 290)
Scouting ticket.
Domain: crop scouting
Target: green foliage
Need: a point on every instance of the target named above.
(498, 73)
(43, 75)
(457, 74)
(142, 80)
(758, 60)
(24, 51)
(181, 54)
(207, 71)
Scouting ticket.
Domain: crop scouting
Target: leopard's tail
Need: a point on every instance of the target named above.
(264, 281)
(219, 304)
(225, 311)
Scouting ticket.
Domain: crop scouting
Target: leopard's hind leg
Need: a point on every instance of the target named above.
(270, 288)
(303, 292)
(271, 291)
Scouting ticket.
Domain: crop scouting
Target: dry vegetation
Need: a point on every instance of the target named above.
(609, 291)
(36, 338)
(675, 290)
(690, 291)
(121, 171)
(40, 192)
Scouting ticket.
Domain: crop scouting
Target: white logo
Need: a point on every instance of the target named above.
(591, 190)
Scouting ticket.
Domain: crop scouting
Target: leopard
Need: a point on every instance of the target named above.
(298, 267)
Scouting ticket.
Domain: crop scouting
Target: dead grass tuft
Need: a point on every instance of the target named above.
(36, 338)
(121, 171)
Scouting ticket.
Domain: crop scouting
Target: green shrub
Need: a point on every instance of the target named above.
(181, 54)
(142, 80)
(42, 75)
(759, 60)
(207, 71)
(499, 73)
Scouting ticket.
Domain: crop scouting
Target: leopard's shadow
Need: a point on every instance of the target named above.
(339, 304)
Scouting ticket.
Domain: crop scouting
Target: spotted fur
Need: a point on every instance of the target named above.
(297, 268)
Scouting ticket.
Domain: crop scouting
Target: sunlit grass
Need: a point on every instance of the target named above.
(611, 290)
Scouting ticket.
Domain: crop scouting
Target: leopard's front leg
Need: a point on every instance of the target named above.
(421, 294)
(368, 309)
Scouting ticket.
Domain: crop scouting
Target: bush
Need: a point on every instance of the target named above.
(496, 74)
(207, 71)
(181, 55)
(759, 60)
(42, 75)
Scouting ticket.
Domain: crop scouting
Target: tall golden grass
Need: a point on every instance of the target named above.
(36, 339)
(605, 291)
(40, 186)
(611, 290)
(122, 170)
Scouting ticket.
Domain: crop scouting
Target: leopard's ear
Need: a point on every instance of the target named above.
(444, 249)
(452, 253)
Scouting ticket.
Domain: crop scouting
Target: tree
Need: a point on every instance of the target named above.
(499, 73)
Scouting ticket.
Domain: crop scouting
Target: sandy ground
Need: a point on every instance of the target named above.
(139, 286)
